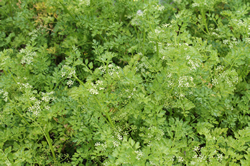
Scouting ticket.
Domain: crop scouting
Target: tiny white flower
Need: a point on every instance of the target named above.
(97, 144)
(161, 8)
(180, 159)
(116, 144)
(37, 102)
(32, 98)
(220, 156)
(166, 25)
(36, 112)
(193, 163)
(196, 148)
(71, 73)
(157, 31)
(195, 4)
(63, 74)
(93, 91)
(5, 94)
(182, 95)
(139, 13)
(46, 99)
(195, 156)
(70, 82)
(119, 137)
(214, 81)
(7, 162)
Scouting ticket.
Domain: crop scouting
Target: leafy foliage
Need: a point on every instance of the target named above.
(125, 82)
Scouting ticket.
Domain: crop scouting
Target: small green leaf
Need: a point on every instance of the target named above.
(188, 105)
(91, 65)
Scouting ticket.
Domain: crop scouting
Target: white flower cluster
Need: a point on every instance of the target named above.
(131, 94)
(194, 65)
(196, 149)
(8, 163)
(96, 87)
(225, 42)
(116, 144)
(247, 40)
(28, 57)
(157, 133)
(220, 157)
(70, 82)
(214, 81)
(5, 95)
(165, 25)
(84, 2)
(97, 144)
(152, 163)
(219, 68)
(233, 42)
(112, 70)
(195, 4)
(180, 159)
(160, 8)
(230, 78)
(73, 72)
(33, 35)
(119, 137)
(47, 96)
(70, 71)
(200, 159)
(102, 146)
(139, 13)
(24, 86)
(186, 81)
(139, 154)
(157, 31)
(35, 109)
(143, 66)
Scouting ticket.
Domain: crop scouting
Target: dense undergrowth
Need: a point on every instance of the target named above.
(125, 82)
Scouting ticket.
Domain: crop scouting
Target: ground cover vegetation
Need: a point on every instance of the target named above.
(124, 82)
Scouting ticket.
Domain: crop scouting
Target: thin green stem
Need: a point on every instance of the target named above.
(106, 113)
(204, 19)
(157, 48)
(144, 35)
(10, 8)
(44, 132)
(66, 10)
(21, 116)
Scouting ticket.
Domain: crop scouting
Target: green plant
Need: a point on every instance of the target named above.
(90, 82)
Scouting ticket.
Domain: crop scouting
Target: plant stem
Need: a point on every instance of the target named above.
(10, 8)
(106, 113)
(157, 48)
(204, 19)
(44, 132)
(143, 42)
